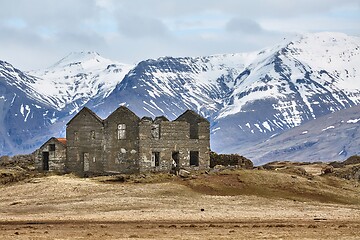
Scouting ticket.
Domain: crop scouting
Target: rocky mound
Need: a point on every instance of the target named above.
(352, 160)
(16, 168)
(24, 161)
(230, 160)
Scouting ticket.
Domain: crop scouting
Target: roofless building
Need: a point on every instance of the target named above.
(125, 144)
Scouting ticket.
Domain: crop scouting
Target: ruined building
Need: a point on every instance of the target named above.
(124, 143)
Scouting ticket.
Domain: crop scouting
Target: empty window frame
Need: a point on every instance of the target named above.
(155, 159)
(92, 134)
(194, 131)
(194, 158)
(51, 147)
(155, 131)
(76, 136)
(121, 131)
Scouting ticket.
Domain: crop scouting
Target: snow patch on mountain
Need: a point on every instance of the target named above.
(310, 70)
(77, 78)
(168, 86)
(353, 120)
(333, 137)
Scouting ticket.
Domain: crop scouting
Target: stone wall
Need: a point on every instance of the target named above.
(173, 142)
(123, 143)
(121, 149)
(85, 137)
(56, 155)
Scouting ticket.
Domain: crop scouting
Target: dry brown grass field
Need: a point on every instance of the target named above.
(227, 204)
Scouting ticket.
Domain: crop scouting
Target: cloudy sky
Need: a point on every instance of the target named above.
(35, 34)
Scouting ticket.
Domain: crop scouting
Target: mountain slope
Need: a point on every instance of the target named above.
(288, 85)
(168, 86)
(79, 77)
(23, 119)
(332, 137)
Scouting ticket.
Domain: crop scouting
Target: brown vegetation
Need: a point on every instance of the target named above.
(290, 201)
(230, 160)
(352, 160)
(16, 168)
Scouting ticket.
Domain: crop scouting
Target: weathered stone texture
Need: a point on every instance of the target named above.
(84, 134)
(121, 146)
(174, 138)
(51, 156)
(122, 143)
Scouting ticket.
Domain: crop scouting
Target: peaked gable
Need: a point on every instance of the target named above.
(86, 111)
(61, 141)
(189, 115)
(125, 111)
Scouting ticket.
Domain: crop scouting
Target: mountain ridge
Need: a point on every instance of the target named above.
(248, 97)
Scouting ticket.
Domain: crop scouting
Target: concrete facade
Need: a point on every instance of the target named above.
(123, 143)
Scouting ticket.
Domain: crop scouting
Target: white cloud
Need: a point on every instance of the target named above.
(139, 27)
(245, 26)
(35, 34)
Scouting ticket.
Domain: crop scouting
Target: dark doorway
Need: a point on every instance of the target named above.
(175, 156)
(155, 159)
(45, 158)
(194, 158)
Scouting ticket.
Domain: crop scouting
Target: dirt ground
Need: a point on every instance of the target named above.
(67, 207)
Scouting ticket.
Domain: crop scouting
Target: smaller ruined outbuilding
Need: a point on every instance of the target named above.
(51, 156)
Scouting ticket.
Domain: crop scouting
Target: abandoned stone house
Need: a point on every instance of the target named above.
(52, 155)
(124, 143)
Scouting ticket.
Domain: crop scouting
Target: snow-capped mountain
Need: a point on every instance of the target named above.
(38, 104)
(77, 78)
(288, 85)
(24, 120)
(168, 86)
(248, 97)
(333, 137)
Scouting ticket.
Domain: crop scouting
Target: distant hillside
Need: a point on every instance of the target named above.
(333, 137)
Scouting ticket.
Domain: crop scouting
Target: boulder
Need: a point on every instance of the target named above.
(183, 173)
(328, 169)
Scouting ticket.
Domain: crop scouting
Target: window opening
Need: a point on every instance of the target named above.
(52, 147)
(194, 158)
(92, 134)
(155, 131)
(76, 136)
(121, 131)
(194, 131)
